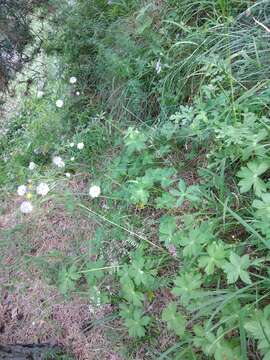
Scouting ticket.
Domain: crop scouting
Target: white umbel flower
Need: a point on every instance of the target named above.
(94, 191)
(68, 175)
(80, 145)
(78, 93)
(42, 189)
(71, 144)
(26, 207)
(72, 158)
(32, 165)
(59, 103)
(22, 189)
(73, 80)
(57, 160)
(40, 94)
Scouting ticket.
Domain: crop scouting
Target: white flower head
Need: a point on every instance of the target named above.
(22, 189)
(68, 175)
(73, 80)
(80, 145)
(26, 207)
(57, 160)
(158, 66)
(42, 189)
(78, 93)
(94, 191)
(32, 165)
(40, 94)
(71, 144)
(59, 103)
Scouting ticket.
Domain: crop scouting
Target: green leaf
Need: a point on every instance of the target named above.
(67, 278)
(215, 258)
(130, 293)
(186, 285)
(190, 193)
(194, 239)
(137, 323)
(175, 320)
(135, 140)
(167, 229)
(263, 207)
(237, 268)
(91, 275)
(250, 177)
(166, 201)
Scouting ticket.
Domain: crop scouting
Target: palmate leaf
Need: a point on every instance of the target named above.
(67, 278)
(237, 268)
(250, 177)
(184, 192)
(131, 294)
(175, 320)
(215, 257)
(166, 201)
(137, 323)
(263, 207)
(259, 328)
(167, 228)
(187, 286)
(194, 239)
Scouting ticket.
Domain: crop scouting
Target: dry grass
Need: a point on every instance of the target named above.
(31, 311)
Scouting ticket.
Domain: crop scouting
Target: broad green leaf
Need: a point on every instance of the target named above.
(175, 320)
(215, 258)
(186, 286)
(237, 268)
(250, 177)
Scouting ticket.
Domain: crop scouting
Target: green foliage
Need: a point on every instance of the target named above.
(175, 321)
(170, 95)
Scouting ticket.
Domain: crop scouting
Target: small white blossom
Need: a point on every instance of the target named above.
(158, 66)
(22, 189)
(59, 103)
(71, 144)
(40, 94)
(78, 93)
(26, 207)
(32, 165)
(68, 175)
(42, 189)
(57, 160)
(72, 158)
(73, 80)
(80, 145)
(94, 191)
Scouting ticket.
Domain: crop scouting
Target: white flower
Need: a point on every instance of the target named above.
(68, 175)
(22, 189)
(57, 160)
(72, 158)
(43, 189)
(40, 94)
(94, 191)
(71, 144)
(26, 207)
(59, 103)
(158, 66)
(32, 165)
(80, 145)
(73, 79)
(78, 93)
